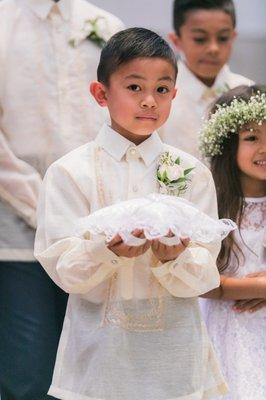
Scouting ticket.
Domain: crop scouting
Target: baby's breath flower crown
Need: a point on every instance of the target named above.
(230, 119)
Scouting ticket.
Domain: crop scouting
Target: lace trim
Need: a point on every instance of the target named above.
(254, 216)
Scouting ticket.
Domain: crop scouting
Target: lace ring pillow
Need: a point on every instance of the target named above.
(157, 215)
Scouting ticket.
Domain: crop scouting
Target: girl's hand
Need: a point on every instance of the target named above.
(249, 305)
(118, 247)
(166, 253)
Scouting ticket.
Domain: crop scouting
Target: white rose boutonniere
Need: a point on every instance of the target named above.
(172, 177)
(96, 30)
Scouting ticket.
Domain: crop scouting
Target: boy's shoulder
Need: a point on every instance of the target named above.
(200, 185)
(235, 80)
(76, 160)
(188, 82)
(187, 160)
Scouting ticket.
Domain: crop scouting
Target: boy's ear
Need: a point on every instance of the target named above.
(234, 34)
(175, 39)
(175, 92)
(98, 91)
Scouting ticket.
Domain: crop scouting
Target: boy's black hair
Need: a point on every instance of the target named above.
(183, 7)
(130, 44)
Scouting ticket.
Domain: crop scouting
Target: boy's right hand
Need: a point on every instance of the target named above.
(118, 247)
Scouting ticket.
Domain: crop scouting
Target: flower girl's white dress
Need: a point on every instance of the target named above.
(240, 338)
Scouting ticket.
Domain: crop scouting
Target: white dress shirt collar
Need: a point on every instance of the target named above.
(117, 145)
(42, 8)
(192, 86)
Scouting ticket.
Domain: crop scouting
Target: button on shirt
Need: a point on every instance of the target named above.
(129, 320)
(45, 106)
(191, 104)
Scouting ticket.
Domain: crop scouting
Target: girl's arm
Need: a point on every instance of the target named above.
(253, 287)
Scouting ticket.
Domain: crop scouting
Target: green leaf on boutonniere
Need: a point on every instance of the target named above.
(187, 171)
(72, 42)
(165, 176)
(182, 179)
(93, 36)
(177, 161)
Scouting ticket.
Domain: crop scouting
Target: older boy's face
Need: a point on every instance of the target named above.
(206, 40)
(139, 97)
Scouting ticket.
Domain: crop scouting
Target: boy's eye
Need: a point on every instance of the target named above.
(223, 39)
(162, 90)
(134, 88)
(200, 40)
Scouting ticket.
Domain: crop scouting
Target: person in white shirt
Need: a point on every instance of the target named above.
(46, 63)
(132, 329)
(204, 35)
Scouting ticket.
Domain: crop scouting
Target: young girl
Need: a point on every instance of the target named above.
(235, 140)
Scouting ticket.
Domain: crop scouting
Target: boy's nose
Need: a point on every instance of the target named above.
(148, 102)
(213, 47)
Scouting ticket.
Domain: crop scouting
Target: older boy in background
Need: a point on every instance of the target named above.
(204, 35)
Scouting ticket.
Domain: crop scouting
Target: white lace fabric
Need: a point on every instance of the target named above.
(239, 338)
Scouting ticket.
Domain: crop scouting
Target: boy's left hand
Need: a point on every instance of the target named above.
(166, 253)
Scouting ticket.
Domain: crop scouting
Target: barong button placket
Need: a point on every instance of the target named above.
(132, 154)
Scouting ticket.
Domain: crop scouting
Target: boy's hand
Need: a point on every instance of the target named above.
(118, 247)
(249, 305)
(166, 253)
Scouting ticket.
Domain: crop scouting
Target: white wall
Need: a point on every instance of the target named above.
(249, 55)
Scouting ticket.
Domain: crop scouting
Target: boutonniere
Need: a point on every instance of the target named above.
(95, 30)
(213, 93)
(172, 177)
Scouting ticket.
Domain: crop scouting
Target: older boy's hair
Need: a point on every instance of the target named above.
(128, 45)
(183, 7)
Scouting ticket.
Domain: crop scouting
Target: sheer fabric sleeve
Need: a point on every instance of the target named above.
(194, 272)
(77, 265)
(19, 183)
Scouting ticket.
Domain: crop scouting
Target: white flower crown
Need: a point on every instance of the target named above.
(230, 119)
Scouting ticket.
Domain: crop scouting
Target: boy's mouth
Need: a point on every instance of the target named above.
(147, 117)
(210, 62)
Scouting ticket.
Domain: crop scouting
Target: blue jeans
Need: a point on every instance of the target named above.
(32, 310)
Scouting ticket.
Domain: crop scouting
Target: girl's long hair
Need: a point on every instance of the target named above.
(226, 176)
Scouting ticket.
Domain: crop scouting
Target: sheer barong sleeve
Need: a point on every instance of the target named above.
(19, 183)
(76, 264)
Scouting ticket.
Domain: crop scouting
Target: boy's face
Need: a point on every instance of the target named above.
(206, 40)
(138, 96)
